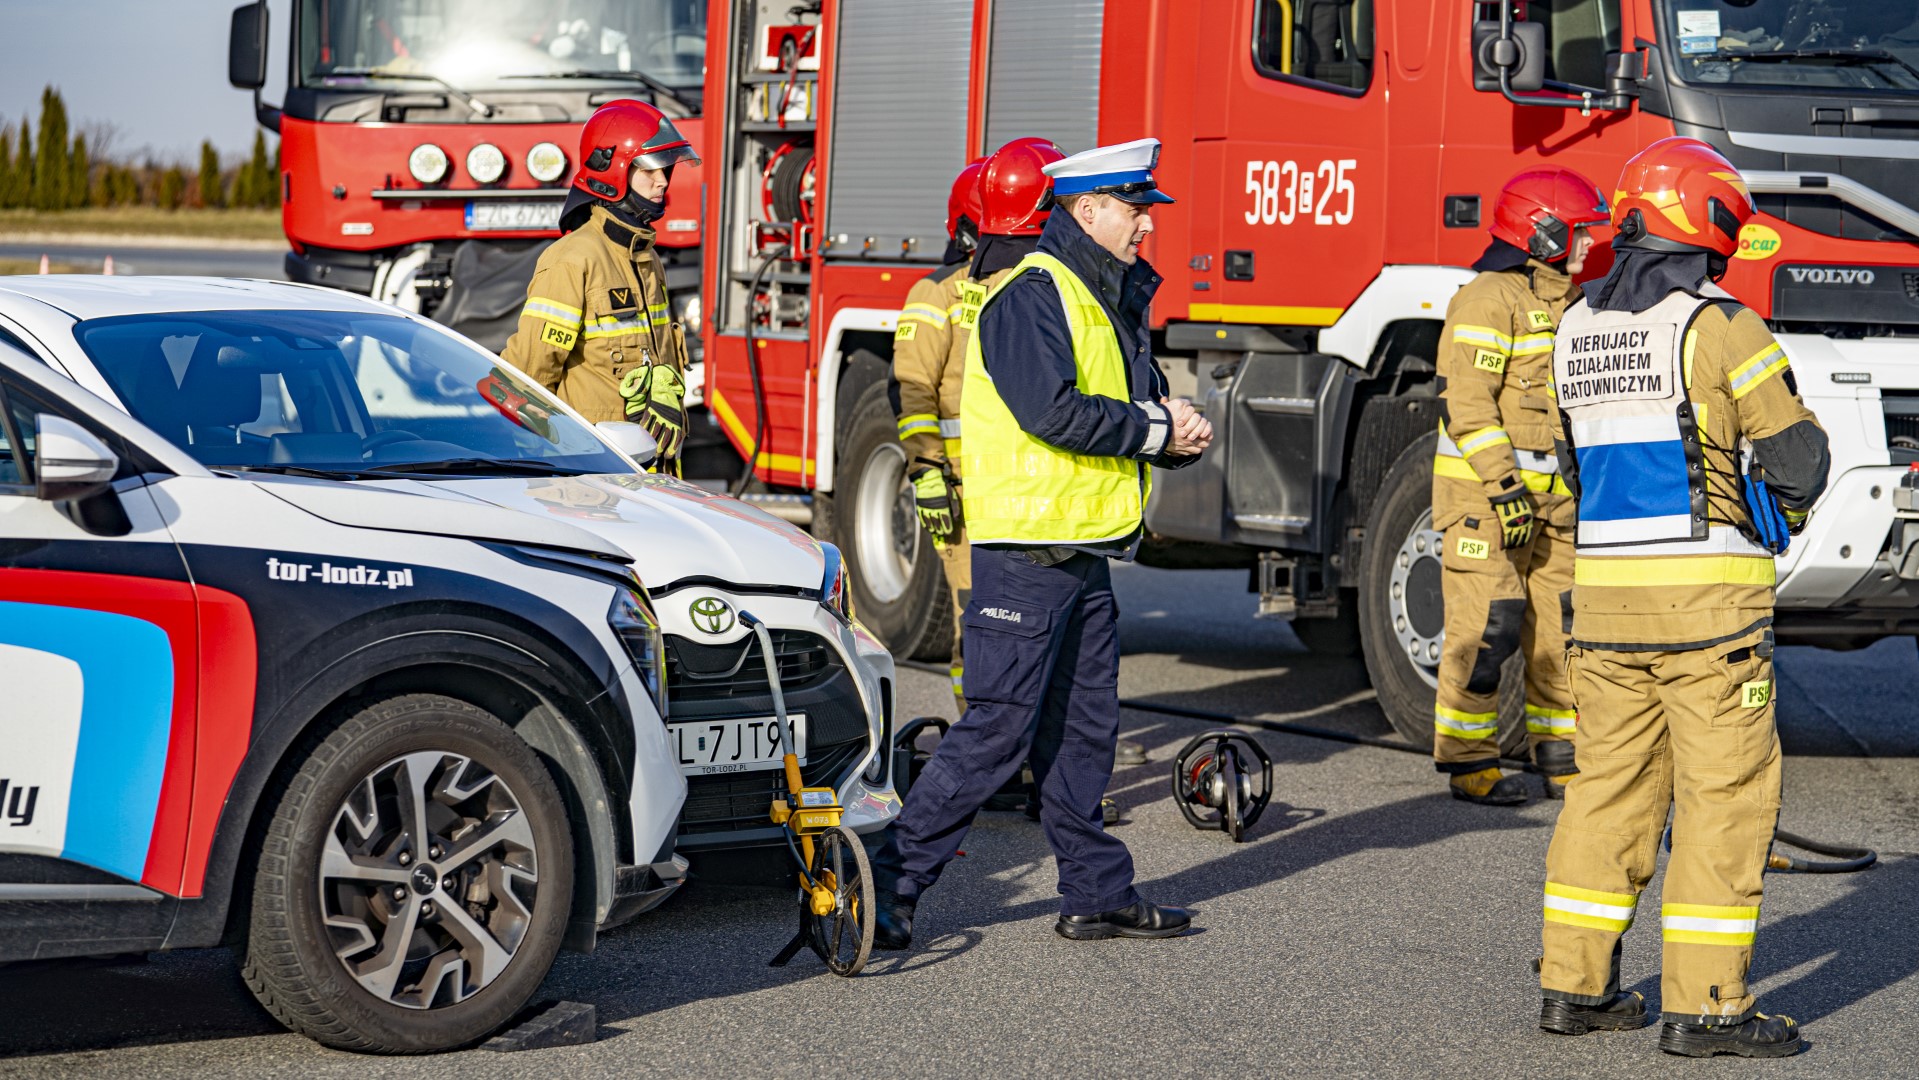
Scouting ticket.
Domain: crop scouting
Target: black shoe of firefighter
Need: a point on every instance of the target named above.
(892, 920)
(1760, 1037)
(1142, 920)
(1489, 787)
(1624, 1012)
(1554, 760)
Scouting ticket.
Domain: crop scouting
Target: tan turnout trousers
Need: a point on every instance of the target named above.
(1692, 730)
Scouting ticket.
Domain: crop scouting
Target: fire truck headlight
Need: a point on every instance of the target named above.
(545, 162)
(485, 163)
(427, 163)
(687, 309)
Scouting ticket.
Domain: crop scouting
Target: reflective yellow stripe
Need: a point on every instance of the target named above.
(926, 313)
(1270, 314)
(1465, 725)
(552, 311)
(1484, 337)
(1674, 571)
(1539, 481)
(1589, 908)
(1453, 467)
(918, 424)
(1532, 343)
(743, 438)
(1543, 721)
(1764, 364)
(1692, 342)
(1483, 439)
(1708, 924)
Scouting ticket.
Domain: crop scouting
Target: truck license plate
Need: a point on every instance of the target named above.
(513, 214)
(711, 747)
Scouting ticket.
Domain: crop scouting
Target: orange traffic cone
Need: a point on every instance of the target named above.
(108, 268)
(44, 267)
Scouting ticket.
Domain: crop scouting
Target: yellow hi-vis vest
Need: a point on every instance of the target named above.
(1020, 490)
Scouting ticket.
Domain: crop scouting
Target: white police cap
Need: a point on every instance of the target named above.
(1123, 170)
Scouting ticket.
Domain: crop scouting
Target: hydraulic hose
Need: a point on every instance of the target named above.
(753, 368)
(1849, 861)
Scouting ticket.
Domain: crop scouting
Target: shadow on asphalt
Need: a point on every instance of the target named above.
(66, 1006)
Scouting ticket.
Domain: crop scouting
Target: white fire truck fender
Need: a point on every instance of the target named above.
(827, 393)
(1397, 294)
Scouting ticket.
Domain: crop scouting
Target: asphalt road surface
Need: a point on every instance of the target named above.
(201, 262)
(1371, 926)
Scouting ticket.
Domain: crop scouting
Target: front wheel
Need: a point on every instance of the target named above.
(899, 586)
(414, 881)
(1402, 610)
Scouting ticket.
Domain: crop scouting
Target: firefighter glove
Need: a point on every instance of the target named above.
(1515, 510)
(655, 399)
(935, 501)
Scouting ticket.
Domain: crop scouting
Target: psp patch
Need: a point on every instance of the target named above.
(1470, 548)
(560, 337)
(905, 332)
(1540, 320)
(1487, 360)
(1755, 695)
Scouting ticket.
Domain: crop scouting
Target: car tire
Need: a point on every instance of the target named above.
(470, 963)
(1401, 612)
(899, 586)
(1336, 637)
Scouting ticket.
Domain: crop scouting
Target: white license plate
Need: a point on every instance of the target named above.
(513, 214)
(710, 747)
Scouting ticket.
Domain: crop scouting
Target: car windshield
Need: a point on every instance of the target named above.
(1845, 45)
(472, 44)
(335, 391)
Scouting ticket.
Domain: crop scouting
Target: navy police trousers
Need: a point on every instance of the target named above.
(1042, 683)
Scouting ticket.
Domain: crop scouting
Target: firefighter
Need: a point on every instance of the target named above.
(596, 328)
(928, 348)
(1682, 434)
(1064, 413)
(1506, 567)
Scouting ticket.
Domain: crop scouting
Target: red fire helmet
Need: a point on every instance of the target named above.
(1538, 210)
(1680, 194)
(1014, 192)
(963, 202)
(620, 135)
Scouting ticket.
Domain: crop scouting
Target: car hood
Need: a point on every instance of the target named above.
(673, 530)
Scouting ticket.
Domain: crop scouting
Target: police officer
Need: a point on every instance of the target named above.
(1693, 459)
(596, 328)
(1064, 414)
(1507, 563)
(928, 350)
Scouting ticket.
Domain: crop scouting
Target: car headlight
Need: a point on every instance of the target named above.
(545, 162)
(638, 629)
(427, 163)
(687, 311)
(485, 163)
(836, 588)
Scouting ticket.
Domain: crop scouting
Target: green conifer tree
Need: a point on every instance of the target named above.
(78, 176)
(19, 190)
(211, 195)
(51, 166)
(259, 173)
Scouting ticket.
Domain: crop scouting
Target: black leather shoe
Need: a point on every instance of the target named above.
(1556, 766)
(1760, 1037)
(892, 920)
(1142, 920)
(1626, 1011)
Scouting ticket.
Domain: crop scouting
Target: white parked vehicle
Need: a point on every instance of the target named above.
(396, 751)
(256, 378)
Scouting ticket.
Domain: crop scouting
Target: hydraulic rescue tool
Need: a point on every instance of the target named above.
(836, 883)
(1212, 772)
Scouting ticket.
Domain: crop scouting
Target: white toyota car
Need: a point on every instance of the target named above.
(258, 377)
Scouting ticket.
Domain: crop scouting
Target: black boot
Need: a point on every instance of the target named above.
(1554, 760)
(1760, 1037)
(1624, 1012)
(1142, 920)
(892, 920)
(1489, 787)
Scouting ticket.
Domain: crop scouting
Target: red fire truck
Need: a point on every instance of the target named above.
(1333, 162)
(426, 145)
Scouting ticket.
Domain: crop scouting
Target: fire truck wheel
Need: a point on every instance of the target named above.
(412, 882)
(899, 587)
(1402, 612)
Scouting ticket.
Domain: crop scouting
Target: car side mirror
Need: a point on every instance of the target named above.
(630, 439)
(69, 462)
(247, 47)
(1520, 52)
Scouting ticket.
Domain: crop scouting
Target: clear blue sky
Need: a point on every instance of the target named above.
(156, 69)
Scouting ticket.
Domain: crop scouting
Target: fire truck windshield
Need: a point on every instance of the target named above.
(474, 44)
(1803, 45)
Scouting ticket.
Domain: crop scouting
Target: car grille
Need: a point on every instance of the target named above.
(734, 801)
(697, 672)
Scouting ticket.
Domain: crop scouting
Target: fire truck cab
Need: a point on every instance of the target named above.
(1334, 162)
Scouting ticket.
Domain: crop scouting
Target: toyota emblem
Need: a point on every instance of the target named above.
(711, 614)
